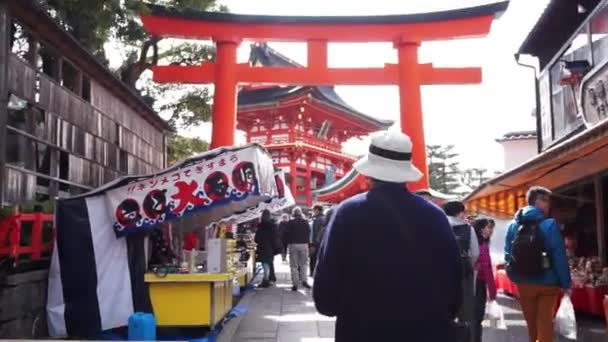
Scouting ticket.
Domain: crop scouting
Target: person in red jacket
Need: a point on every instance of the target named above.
(485, 286)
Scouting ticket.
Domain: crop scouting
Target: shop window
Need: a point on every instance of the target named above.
(566, 75)
(599, 36)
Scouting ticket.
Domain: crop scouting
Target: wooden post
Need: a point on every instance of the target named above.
(600, 218)
(293, 171)
(5, 32)
(308, 187)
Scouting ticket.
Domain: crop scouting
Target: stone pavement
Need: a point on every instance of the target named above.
(277, 314)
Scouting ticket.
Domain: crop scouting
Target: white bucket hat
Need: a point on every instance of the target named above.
(389, 159)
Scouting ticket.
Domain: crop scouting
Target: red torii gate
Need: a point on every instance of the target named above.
(406, 32)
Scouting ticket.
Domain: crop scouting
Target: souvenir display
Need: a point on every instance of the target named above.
(588, 272)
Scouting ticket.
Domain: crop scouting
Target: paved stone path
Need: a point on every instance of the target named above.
(277, 314)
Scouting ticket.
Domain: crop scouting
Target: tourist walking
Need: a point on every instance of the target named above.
(298, 238)
(469, 252)
(318, 224)
(536, 261)
(265, 239)
(388, 265)
(282, 235)
(485, 287)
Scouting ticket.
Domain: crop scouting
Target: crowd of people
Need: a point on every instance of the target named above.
(297, 235)
(391, 264)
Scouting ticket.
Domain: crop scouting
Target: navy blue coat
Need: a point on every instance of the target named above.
(379, 289)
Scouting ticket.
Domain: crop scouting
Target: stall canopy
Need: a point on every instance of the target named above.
(96, 279)
(581, 156)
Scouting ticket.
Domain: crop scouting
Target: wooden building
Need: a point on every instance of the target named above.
(67, 124)
(303, 127)
(570, 41)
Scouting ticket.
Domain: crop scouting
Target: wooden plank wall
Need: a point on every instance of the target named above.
(85, 141)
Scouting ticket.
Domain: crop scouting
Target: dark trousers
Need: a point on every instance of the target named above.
(272, 277)
(313, 260)
(481, 297)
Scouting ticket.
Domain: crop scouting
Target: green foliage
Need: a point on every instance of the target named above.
(181, 147)
(444, 172)
(91, 23)
(101, 21)
(190, 109)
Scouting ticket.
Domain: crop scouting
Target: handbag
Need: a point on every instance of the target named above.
(461, 331)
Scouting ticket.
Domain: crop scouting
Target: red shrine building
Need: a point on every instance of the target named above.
(303, 127)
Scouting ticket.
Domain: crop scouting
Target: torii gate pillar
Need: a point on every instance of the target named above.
(224, 96)
(411, 107)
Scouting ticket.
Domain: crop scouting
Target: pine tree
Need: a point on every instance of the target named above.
(444, 172)
(474, 177)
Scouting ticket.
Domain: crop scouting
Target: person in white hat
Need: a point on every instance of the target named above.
(388, 266)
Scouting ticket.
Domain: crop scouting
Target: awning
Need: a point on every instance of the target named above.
(581, 156)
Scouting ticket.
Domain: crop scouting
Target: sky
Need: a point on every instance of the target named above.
(468, 116)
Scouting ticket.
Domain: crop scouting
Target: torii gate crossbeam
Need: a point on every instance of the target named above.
(406, 32)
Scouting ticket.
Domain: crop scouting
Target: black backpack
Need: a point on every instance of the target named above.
(528, 254)
(463, 237)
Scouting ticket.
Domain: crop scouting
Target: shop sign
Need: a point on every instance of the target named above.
(594, 99)
(203, 185)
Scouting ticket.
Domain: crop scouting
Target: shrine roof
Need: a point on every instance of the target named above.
(557, 23)
(454, 14)
(267, 56)
(351, 184)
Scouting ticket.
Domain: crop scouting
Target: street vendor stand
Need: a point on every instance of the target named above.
(99, 274)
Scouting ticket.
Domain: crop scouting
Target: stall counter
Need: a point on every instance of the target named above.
(189, 300)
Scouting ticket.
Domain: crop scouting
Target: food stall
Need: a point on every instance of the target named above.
(100, 274)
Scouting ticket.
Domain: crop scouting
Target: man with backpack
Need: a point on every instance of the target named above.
(469, 252)
(536, 261)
